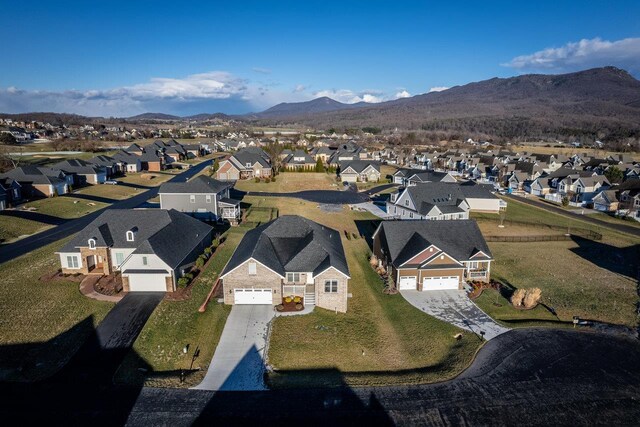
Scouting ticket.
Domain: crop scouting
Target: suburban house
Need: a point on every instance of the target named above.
(201, 197)
(38, 181)
(481, 198)
(151, 248)
(289, 256)
(112, 166)
(606, 201)
(402, 176)
(151, 161)
(82, 172)
(581, 189)
(359, 171)
(131, 162)
(12, 191)
(433, 200)
(298, 160)
(245, 164)
(432, 255)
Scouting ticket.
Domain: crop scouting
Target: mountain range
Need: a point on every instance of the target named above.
(598, 103)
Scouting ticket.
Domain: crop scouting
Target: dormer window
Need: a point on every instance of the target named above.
(92, 243)
(247, 164)
(131, 234)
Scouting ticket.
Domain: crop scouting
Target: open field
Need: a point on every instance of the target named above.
(12, 227)
(115, 192)
(287, 182)
(146, 179)
(382, 339)
(41, 318)
(67, 207)
(176, 323)
(387, 170)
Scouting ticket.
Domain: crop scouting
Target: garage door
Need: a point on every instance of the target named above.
(252, 296)
(223, 176)
(440, 283)
(147, 282)
(408, 283)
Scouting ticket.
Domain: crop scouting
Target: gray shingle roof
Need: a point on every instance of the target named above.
(358, 165)
(169, 234)
(444, 195)
(199, 185)
(79, 166)
(252, 155)
(473, 190)
(291, 244)
(35, 175)
(461, 239)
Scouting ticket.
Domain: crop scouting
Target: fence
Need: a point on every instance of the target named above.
(260, 215)
(550, 238)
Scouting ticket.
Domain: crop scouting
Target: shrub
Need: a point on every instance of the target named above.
(347, 235)
(390, 286)
(288, 299)
(273, 179)
(518, 297)
(183, 282)
(373, 261)
(297, 299)
(279, 307)
(200, 262)
(257, 179)
(189, 276)
(267, 180)
(532, 298)
(299, 307)
(207, 251)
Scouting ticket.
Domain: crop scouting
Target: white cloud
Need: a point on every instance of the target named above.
(402, 94)
(438, 89)
(585, 53)
(299, 88)
(261, 70)
(348, 96)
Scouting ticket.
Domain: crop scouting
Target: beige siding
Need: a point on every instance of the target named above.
(240, 278)
(332, 301)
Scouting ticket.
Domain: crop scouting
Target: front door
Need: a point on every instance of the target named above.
(99, 264)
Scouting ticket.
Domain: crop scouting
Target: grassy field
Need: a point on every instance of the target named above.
(177, 323)
(614, 220)
(115, 192)
(291, 181)
(64, 206)
(13, 227)
(382, 339)
(146, 179)
(591, 279)
(42, 323)
(500, 309)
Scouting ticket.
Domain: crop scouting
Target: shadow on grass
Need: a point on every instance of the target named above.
(623, 261)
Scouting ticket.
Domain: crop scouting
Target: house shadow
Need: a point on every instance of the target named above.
(623, 261)
(89, 197)
(34, 216)
(366, 228)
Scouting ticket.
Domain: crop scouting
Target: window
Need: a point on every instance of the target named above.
(410, 214)
(72, 262)
(130, 237)
(252, 269)
(145, 261)
(293, 277)
(92, 244)
(406, 202)
(208, 198)
(473, 264)
(192, 199)
(331, 286)
(248, 164)
(119, 258)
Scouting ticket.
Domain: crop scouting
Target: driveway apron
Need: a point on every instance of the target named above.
(456, 308)
(238, 362)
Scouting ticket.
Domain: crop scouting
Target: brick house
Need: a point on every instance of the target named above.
(289, 256)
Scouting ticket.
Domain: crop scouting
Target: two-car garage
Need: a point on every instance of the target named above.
(430, 283)
(155, 281)
(252, 296)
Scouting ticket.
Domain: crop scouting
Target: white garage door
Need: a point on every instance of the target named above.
(440, 283)
(147, 282)
(252, 296)
(408, 283)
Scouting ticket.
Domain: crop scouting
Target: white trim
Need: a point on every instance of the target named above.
(242, 263)
(430, 246)
(442, 253)
(327, 269)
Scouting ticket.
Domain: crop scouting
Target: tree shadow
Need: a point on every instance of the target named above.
(623, 261)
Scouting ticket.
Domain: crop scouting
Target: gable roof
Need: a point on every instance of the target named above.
(473, 190)
(446, 196)
(169, 234)
(251, 155)
(461, 239)
(199, 185)
(291, 243)
(358, 165)
(35, 175)
(79, 166)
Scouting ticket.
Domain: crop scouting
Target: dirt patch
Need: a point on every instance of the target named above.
(58, 276)
(148, 176)
(181, 294)
(110, 285)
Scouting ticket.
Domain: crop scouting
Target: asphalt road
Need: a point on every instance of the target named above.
(522, 377)
(617, 227)
(328, 197)
(36, 241)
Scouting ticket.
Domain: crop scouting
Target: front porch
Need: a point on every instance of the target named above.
(477, 270)
(229, 209)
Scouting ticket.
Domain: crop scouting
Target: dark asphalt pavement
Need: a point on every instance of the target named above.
(31, 243)
(523, 377)
(617, 227)
(329, 197)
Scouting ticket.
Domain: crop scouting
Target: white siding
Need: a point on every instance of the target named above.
(64, 260)
(125, 254)
(485, 205)
(135, 262)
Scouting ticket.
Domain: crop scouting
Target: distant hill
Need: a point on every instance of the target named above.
(601, 100)
(318, 105)
(57, 119)
(154, 116)
(202, 117)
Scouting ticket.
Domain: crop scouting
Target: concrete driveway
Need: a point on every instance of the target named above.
(238, 362)
(456, 308)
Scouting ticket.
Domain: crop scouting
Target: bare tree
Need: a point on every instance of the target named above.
(274, 150)
(9, 159)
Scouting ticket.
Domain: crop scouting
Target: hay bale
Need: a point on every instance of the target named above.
(373, 261)
(532, 297)
(518, 297)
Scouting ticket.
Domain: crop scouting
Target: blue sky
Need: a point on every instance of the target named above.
(124, 58)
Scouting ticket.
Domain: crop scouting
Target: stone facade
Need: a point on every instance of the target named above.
(240, 278)
(332, 301)
(86, 253)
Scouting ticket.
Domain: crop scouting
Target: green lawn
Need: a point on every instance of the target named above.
(615, 220)
(499, 308)
(382, 339)
(291, 181)
(64, 206)
(42, 323)
(177, 323)
(13, 227)
(115, 192)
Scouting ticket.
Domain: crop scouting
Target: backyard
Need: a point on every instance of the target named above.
(12, 227)
(66, 207)
(40, 318)
(287, 182)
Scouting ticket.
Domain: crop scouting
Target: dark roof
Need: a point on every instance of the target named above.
(35, 175)
(358, 165)
(150, 156)
(441, 194)
(252, 155)
(78, 166)
(103, 161)
(473, 190)
(126, 157)
(199, 185)
(169, 234)
(228, 201)
(461, 239)
(427, 176)
(291, 244)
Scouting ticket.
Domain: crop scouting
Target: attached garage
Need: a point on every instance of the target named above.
(440, 283)
(253, 296)
(148, 282)
(408, 283)
(222, 176)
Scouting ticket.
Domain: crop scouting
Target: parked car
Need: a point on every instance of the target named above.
(111, 182)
